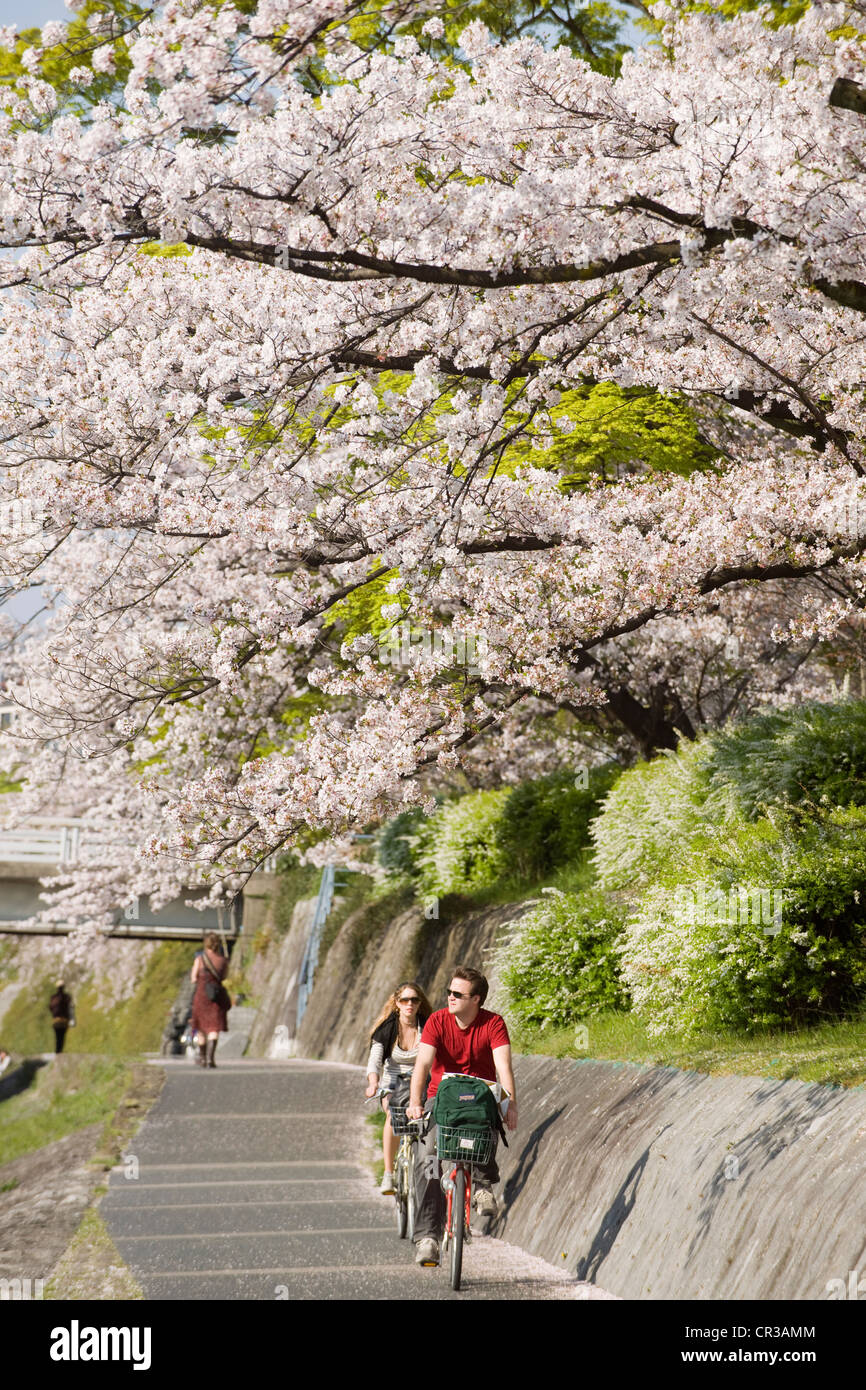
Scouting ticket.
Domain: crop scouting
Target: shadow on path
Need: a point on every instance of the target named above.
(22, 1077)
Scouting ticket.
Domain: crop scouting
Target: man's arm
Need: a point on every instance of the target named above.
(426, 1058)
(502, 1063)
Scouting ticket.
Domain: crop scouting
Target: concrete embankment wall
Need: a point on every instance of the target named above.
(353, 984)
(656, 1183)
(651, 1182)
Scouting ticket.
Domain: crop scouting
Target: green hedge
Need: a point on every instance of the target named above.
(561, 963)
(545, 823)
(775, 805)
(762, 926)
(806, 753)
(520, 835)
(458, 849)
(396, 843)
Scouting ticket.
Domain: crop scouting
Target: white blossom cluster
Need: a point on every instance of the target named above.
(381, 289)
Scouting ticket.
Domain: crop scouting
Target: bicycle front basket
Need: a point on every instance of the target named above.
(471, 1145)
(399, 1122)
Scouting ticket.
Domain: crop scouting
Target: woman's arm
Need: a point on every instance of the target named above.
(374, 1068)
(196, 967)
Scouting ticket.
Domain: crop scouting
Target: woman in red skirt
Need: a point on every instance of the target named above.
(209, 1016)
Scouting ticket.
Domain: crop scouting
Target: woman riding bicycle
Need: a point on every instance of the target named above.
(394, 1042)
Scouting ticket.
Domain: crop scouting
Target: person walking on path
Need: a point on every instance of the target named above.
(211, 1002)
(394, 1041)
(60, 1006)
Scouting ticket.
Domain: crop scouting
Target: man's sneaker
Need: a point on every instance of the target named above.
(388, 1189)
(485, 1202)
(427, 1252)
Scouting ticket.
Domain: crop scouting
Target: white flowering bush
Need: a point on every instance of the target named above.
(458, 850)
(561, 962)
(702, 951)
(651, 808)
(811, 752)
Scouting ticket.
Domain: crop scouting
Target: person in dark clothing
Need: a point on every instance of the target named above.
(60, 1005)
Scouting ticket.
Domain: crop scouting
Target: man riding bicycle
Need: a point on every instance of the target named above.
(468, 1039)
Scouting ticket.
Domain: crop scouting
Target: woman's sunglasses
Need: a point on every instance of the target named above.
(409, 999)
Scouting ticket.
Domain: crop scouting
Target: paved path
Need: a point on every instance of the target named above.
(251, 1185)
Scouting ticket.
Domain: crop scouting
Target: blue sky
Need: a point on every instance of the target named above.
(28, 14)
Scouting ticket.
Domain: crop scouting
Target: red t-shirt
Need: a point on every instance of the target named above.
(466, 1050)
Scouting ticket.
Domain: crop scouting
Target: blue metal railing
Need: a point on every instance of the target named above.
(324, 902)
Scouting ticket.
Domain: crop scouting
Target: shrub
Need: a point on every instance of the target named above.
(561, 963)
(690, 971)
(649, 811)
(811, 752)
(524, 833)
(545, 823)
(458, 849)
(396, 843)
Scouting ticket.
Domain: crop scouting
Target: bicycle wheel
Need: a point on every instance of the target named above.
(401, 1196)
(458, 1217)
(410, 1197)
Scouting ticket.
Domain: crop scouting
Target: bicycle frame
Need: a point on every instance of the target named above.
(458, 1194)
(404, 1185)
(466, 1169)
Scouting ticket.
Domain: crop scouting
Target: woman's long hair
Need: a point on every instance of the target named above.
(425, 1008)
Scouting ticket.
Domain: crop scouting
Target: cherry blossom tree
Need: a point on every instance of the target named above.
(285, 367)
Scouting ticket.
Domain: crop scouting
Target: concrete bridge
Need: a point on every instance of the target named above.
(47, 846)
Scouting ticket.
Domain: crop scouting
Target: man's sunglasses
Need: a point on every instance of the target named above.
(455, 994)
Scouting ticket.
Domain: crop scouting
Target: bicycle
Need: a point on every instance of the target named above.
(408, 1132)
(466, 1149)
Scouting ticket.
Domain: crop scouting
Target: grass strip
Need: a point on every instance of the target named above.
(831, 1054)
(90, 1267)
(69, 1093)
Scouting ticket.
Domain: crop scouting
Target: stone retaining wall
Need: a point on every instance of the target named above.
(657, 1183)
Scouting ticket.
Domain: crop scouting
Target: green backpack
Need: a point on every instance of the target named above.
(468, 1104)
